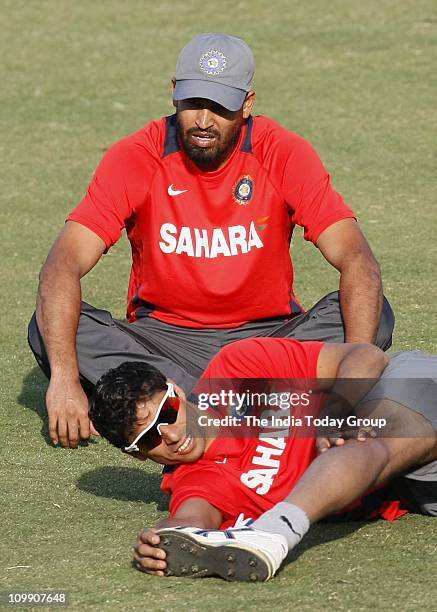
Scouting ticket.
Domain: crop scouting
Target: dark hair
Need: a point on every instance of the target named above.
(113, 405)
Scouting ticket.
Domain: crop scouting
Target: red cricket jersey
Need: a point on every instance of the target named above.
(250, 475)
(210, 249)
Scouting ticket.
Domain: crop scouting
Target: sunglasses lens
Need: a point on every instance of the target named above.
(169, 411)
(168, 414)
(151, 439)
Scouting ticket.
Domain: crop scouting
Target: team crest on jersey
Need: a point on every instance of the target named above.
(243, 190)
(212, 62)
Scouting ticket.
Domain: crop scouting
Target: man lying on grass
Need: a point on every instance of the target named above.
(279, 481)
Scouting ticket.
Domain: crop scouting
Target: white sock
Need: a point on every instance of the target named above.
(287, 519)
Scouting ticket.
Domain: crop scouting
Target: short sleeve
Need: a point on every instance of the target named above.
(202, 480)
(119, 186)
(307, 189)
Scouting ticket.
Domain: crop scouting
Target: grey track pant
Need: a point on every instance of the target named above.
(182, 353)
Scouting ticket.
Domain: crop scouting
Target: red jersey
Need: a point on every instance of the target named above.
(219, 241)
(250, 475)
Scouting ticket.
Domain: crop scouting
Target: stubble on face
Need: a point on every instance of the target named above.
(223, 142)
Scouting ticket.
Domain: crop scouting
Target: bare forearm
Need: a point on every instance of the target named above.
(195, 512)
(57, 311)
(76, 250)
(361, 299)
(358, 372)
(358, 367)
(194, 521)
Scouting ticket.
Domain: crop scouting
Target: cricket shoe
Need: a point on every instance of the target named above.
(237, 554)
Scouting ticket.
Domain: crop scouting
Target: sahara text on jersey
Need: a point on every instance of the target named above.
(211, 243)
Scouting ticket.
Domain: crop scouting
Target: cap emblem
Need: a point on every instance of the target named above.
(212, 62)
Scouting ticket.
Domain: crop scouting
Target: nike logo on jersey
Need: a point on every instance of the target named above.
(175, 192)
(209, 243)
(225, 460)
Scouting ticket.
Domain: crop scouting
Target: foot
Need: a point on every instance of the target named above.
(235, 554)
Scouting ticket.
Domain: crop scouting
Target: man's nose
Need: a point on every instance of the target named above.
(170, 433)
(204, 119)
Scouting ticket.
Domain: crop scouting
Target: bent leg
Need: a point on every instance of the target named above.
(409, 437)
(343, 474)
(334, 480)
(338, 477)
(324, 322)
(331, 484)
(102, 344)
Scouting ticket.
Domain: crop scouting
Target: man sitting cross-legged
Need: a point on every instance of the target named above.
(217, 479)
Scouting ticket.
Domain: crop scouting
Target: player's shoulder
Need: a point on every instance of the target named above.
(267, 128)
(141, 145)
(270, 136)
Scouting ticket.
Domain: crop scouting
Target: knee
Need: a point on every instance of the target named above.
(380, 451)
(375, 452)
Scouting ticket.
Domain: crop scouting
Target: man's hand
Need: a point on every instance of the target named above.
(76, 250)
(347, 372)
(328, 440)
(148, 557)
(325, 442)
(67, 407)
(195, 512)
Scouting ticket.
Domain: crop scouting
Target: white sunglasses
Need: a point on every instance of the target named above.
(170, 413)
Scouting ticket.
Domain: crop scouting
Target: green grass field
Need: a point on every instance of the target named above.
(359, 80)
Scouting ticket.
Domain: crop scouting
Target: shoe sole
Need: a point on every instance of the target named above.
(188, 557)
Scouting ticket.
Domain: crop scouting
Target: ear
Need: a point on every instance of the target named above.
(173, 85)
(248, 104)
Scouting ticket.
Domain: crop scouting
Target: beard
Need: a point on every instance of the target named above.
(209, 158)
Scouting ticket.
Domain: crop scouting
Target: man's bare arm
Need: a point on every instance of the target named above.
(195, 512)
(348, 371)
(76, 250)
(344, 246)
(340, 362)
